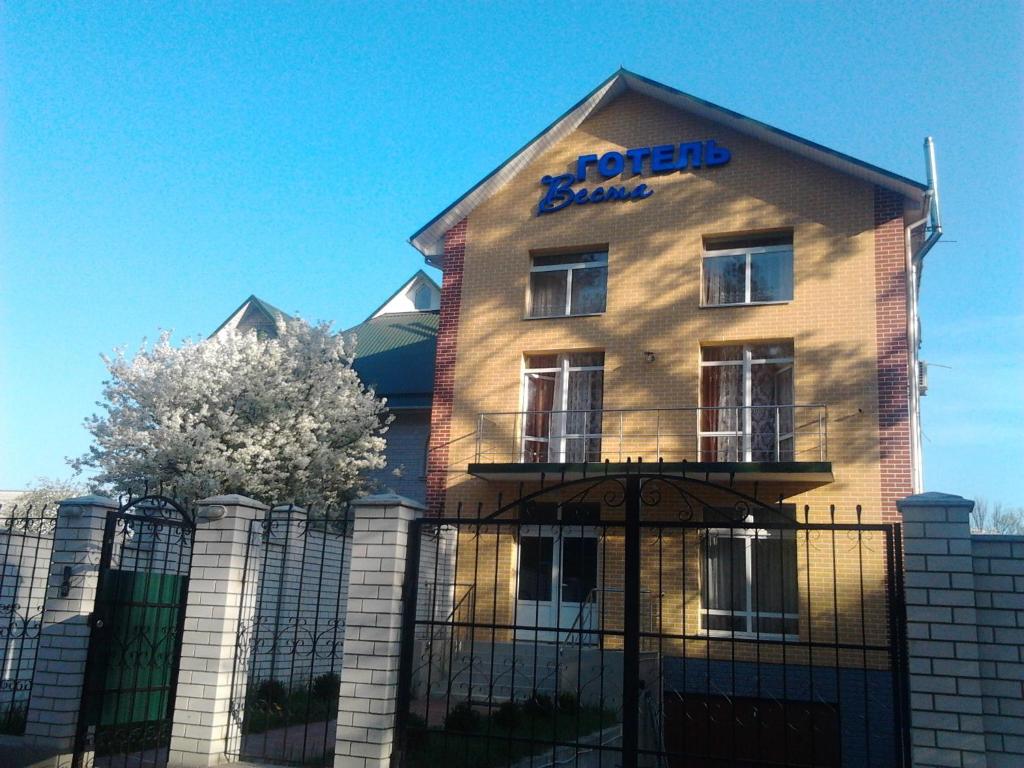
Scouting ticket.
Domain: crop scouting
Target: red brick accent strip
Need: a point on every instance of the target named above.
(444, 367)
(893, 352)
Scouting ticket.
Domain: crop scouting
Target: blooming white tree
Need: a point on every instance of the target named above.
(45, 494)
(282, 419)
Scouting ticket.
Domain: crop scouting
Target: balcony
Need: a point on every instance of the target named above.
(760, 443)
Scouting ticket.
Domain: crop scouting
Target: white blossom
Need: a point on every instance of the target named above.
(282, 419)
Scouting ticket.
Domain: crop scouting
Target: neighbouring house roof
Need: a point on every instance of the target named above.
(429, 239)
(394, 349)
(404, 298)
(254, 313)
(395, 355)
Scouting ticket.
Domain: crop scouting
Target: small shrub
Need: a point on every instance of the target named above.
(508, 715)
(462, 719)
(327, 686)
(12, 721)
(271, 693)
(538, 704)
(567, 702)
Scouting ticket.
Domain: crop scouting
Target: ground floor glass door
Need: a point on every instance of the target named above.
(557, 578)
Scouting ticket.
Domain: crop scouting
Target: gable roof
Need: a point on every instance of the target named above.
(265, 307)
(420, 275)
(429, 239)
(395, 355)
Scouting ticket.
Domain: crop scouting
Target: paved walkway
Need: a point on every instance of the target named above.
(295, 744)
(20, 756)
(286, 741)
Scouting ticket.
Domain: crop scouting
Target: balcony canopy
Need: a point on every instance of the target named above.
(785, 478)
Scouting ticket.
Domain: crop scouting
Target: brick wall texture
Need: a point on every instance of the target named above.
(893, 351)
(444, 367)
(369, 676)
(999, 599)
(63, 645)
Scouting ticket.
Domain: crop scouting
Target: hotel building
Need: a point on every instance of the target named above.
(660, 313)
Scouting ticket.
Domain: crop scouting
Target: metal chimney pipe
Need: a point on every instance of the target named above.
(933, 184)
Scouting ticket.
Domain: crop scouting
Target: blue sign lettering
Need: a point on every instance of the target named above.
(664, 158)
(559, 195)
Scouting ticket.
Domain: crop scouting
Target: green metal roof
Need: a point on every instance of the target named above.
(269, 308)
(395, 355)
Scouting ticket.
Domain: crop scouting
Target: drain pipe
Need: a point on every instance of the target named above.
(932, 221)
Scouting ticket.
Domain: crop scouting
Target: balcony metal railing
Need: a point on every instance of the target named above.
(753, 433)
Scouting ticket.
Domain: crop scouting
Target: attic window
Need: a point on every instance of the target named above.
(422, 297)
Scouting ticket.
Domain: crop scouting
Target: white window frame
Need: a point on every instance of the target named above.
(557, 419)
(748, 362)
(569, 268)
(748, 252)
(750, 615)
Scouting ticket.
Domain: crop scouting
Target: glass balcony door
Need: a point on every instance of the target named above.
(746, 403)
(563, 397)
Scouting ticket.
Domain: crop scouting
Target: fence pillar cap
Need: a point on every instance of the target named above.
(232, 500)
(91, 500)
(389, 500)
(934, 499)
(289, 508)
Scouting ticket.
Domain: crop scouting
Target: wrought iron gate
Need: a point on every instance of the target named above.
(135, 641)
(651, 620)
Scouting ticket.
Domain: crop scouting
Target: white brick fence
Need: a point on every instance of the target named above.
(965, 622)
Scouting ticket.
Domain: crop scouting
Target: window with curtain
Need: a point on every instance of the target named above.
(746, 402)
(563, 395)
(748, 270)
(568, 284)
(749, 580)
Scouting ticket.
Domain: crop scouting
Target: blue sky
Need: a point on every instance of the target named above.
(159, 163)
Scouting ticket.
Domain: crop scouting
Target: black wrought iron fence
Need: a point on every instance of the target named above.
(288, 652)
(26, 543)
(647, 620)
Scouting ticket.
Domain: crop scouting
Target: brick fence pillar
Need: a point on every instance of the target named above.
(945, 686)
(373, 627)
(212, 616)
(59, 674)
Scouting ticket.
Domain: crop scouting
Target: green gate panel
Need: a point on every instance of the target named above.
(132, 675)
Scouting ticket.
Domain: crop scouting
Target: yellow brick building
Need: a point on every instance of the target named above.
(659, 288)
